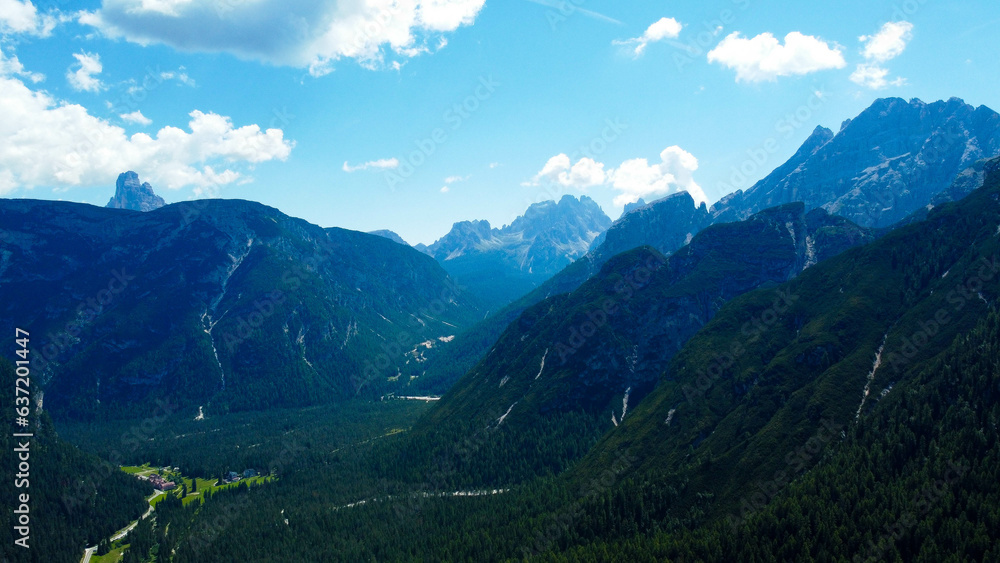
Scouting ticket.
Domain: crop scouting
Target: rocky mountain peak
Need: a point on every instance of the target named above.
(131, 194)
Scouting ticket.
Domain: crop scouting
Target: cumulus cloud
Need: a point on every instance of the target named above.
(300, 33)
(560, 170)
(664, 28)
(82, 79)
(382, 163)
(454, 179)
(13, 67)
(887, 44)
(764, 57)
(136, 117)
(636, 178)
(49, 142)
(17, 16)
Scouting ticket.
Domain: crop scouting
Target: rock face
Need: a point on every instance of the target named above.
(502, 264)
(131, 194)
(883, 165)
(665, 224)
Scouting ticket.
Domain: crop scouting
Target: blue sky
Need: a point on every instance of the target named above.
(410, 118)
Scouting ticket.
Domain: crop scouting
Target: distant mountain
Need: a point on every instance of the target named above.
(886, 163)
(385, 233)
(500, 265)
(666, 225)
(603, 346)
(130, 194)
(225, 304)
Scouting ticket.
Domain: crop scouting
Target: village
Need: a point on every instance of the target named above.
(168, 481)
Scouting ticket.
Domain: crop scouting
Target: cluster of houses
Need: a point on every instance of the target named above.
(232, 476)
(160, 483)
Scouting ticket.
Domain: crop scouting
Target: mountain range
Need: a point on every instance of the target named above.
(500, 265)
(804, 371)
(923, 153)
(881, 166)
(225, 304)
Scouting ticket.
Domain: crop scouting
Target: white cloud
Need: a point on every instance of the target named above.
(874, 76)
(636, 178)
(179, 76)
(136, 117)
(764, 57)
(887, 44)
(445, 189)
(13, 67)
(17, 16)
(382, 163)
(559, 170)
(82, 79)
(664, 28)
(49, 142)
(303, 34)
(494, 165)
(454, 179)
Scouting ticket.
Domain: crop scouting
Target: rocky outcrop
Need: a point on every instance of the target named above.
(131, 194)
(883, 165)
(502, 264)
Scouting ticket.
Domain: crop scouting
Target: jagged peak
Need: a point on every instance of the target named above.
(130, 193)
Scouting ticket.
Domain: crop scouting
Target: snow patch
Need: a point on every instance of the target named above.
(670, 416)
(625, 402)
(504, 381)
(352, 330)
(944, 275)
(542, 367)
(446, 338)
(201, 414)
(613, 420)
(871, 375)
(504, 417)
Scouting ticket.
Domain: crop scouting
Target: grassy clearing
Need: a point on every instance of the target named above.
(204, 485)
(112, 556)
